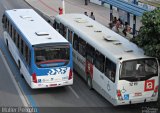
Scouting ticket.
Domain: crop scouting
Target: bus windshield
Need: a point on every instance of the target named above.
(52, 56)
(139, 70)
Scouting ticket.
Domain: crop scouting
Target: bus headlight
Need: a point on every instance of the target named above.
(155, 91)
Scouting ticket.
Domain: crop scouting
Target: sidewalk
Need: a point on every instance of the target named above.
(50, 9)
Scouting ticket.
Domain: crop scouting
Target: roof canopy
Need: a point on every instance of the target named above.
(128, 7)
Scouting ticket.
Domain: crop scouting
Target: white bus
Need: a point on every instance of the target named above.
(112, 65)
(43, 56)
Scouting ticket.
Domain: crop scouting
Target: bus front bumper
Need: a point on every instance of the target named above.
(50, 85)
(135, 101)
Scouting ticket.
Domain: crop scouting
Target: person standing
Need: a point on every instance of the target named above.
(85, 13)
(86, 2)
(60, 11)
(114, 21)
(126, 25)
(92, 16)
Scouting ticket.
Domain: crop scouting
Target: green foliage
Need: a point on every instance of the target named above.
(149, 34)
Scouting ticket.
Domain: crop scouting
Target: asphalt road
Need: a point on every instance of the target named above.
(9, 95)
(77, 98)
(10, 92)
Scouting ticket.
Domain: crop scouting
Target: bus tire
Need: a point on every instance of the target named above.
(19, 64)
(89, 82)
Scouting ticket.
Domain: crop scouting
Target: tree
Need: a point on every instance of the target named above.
(148, 37)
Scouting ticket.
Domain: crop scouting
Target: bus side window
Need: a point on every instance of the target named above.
(54, 25)
(3, 18)
(61, 29)
(11, 31)
(4, 21)
(57, 27)
(65, 31)
(28, 55)
(75, 42)
(24, 50)
(90, 53)
(110, 70)
(99, 62)
(7, 25)
(70, 36)
(18, 41)
(22, 45)
(9, 28)
(82, 47)
(15, 36)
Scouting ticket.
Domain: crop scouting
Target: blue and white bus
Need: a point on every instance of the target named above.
(42, 55)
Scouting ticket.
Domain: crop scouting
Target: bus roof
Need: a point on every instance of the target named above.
(109, 43)
(35, 29)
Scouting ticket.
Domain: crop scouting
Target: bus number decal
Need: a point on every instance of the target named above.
(57, 71)
(133, 83)
(149, 85)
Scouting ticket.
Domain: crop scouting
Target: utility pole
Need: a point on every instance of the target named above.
(63, 6)
(135, 2)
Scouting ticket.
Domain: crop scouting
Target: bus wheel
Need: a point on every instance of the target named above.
(89, 82)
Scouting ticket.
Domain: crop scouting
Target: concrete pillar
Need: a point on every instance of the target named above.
(134, 20)
(111, 13)
(135, 2)
(128, 18)
(134, 25)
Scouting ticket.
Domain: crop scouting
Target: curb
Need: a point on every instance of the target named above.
(49, 19)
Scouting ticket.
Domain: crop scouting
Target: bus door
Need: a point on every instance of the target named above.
(89, 61)
(109, 78)
(79, 54)
(98, 72)
(138, 80)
